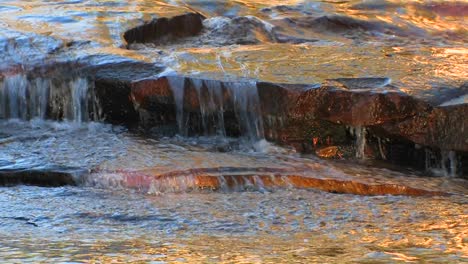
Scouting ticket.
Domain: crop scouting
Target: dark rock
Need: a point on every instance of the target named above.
(163, 29)
(442, 127)
(239, 30)
(363, 83)
(357, 108)
(49, 177)
(344, 25)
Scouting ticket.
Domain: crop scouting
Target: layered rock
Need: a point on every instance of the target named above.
(359, 120)
(238, 179)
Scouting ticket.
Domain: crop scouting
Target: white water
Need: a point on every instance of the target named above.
(445, 165)
(213, 97)
(247, 108)
(177, 86)
(360, 134)
(210, 95)
(28, 98)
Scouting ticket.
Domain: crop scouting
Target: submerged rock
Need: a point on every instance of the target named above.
(193, 30)
(48, 177)
(238, 179)
(165, 29)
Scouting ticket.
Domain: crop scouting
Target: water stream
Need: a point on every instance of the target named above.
(141, 196)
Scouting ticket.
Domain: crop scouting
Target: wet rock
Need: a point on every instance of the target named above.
(310, 116)
(239, 30)
(363, 83)
(442, 127)
(375, 5)
(329, 152)
(48, 177)
(357, 108)
(165, 29)
(219, 31)
(204, 179)
(113, 88)
(338, 24)
(454, 9)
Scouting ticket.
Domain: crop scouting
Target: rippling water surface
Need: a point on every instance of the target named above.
(83, 224)
(102, 221)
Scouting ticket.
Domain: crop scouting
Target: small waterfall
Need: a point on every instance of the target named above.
(215, 98)
(27, 98)
(210, 96)
(247, 108)
(360, 134)
(446, 164)
(177, 86)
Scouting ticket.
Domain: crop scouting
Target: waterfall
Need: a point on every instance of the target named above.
(177, 86)
(215, 98)
(446, 164)
(246, 102)
(360, 134)
(61, 99)
(210, 96)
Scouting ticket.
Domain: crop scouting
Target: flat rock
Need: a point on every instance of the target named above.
(209, 178)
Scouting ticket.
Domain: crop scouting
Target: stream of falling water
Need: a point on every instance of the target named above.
(68, 99)
(242, 95)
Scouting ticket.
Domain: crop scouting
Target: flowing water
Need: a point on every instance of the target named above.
(142, 197)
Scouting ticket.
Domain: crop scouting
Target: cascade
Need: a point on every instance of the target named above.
(26, 98)
(446, 164)
(210, 96)
(360, 134)
(246, 102)
(214, 98)
(177, 86)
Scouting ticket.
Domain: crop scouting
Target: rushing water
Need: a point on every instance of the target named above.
(142, 197)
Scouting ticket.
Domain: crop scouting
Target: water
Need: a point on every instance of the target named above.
(208, 197)
(85, 224)
(215, 99)
(64, 99)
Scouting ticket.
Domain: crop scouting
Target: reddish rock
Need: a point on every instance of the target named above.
(329, 152)
(352, 108)
(202, 179)
(443, 127)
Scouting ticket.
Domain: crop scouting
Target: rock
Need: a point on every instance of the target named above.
(193, 30)
(166, 29)
(48, 177)
(344, 24)
(363, 83)
(113, 88)
(329, 152)
(357, 108)
(151, 181)
(220, 31)
(442, 127)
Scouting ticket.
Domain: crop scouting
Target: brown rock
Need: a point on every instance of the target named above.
(443, 127)
(366, 108)
(203, 179)
(329, 152)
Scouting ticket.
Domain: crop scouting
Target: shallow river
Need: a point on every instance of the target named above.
(143, 198)
(103, 221)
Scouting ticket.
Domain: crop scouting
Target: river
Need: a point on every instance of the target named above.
(120, 147)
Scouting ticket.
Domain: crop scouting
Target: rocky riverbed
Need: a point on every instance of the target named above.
(202, 102)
